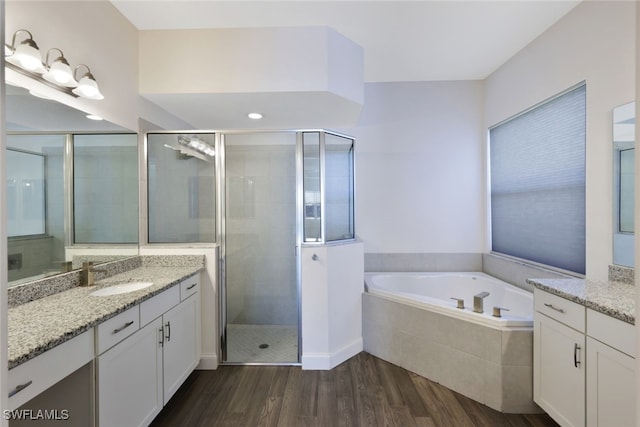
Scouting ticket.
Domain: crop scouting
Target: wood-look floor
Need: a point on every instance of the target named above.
(363, 391)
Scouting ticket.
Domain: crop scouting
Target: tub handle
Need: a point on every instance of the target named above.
(460, 304)
(497, 312)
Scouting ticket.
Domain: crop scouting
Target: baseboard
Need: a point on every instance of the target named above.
(326, 361)
(316, 361)
(346, 352)
(208, 362)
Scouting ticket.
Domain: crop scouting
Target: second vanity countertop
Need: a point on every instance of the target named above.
(615, 299)
(40, 325)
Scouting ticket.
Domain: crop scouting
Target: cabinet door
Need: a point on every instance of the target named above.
(610, 386)
(559, 371)
(130, 379)
(182, 344)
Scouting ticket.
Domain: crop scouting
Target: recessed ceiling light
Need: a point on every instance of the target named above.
(254, 116)
(93, 117)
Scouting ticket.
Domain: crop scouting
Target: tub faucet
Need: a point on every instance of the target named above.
(477, 301)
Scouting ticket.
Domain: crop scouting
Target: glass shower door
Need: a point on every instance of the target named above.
(261, 290)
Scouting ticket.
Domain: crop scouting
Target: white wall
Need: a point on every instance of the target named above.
(419, 167)
(96, 34)
(596, 43)
(331, 299)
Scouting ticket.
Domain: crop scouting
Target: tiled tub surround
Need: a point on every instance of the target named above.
(613, 298)
(490, 365)
(41, 324)
(416, 261)
(511, 270)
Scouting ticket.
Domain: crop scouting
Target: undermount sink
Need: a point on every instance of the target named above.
(122, 288)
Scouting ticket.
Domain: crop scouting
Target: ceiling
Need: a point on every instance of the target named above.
(402, 41)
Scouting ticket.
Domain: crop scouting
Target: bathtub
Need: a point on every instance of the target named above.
(438, 292)
(410, 320)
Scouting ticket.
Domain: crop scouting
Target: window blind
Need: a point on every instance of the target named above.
(537, 167)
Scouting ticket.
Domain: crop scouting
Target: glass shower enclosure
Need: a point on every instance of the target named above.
(281, 190)
(260, 196)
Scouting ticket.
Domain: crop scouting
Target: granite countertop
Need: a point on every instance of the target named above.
(44, 323)
(613, 298)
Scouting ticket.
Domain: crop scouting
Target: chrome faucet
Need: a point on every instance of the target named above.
(86, 275)
(477, 301)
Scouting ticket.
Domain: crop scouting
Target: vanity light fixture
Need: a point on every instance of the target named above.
(87, 85)
(26, 55)
(59, 71)
(254, 116)
(196, 144)
(55, 72)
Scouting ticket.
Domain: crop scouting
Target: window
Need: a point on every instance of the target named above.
(339, 187)
(328, 187)
(537, 164)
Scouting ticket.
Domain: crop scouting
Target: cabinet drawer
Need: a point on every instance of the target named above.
(563, 310)
(189, 287)
(31, 378)
(117, 328)
(158, 305)
(613, 332)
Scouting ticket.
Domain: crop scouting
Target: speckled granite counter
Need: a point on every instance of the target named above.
(613, 298)
(40, 325)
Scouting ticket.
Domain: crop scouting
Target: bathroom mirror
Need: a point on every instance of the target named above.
(624, 177)
(41, 136)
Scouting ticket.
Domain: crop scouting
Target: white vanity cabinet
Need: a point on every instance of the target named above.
(38, 374)
(130, 380)
(181, 350)
(558, 358)
(584, 366)
(611, 389)
(138, 376)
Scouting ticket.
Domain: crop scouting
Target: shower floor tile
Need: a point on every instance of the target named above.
(246, 343)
